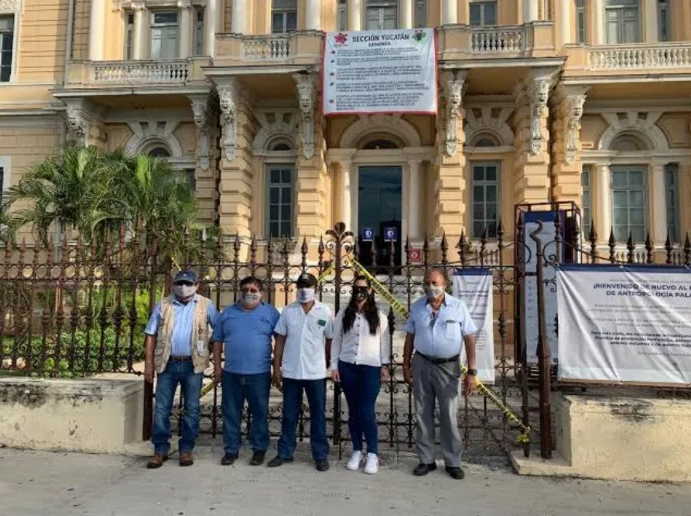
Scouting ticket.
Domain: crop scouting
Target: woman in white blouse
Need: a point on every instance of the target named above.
(359, 362)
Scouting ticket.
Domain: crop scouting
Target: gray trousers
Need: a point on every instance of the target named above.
(432, 383)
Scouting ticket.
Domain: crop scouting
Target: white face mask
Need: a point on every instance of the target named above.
(184, 291)
(434, 292)
(305, 295)
(251, 298)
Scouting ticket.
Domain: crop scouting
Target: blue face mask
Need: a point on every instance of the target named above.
(434, 292)
(251, 298)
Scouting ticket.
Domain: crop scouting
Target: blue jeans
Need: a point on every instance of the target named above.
(292, 401)
(255, 389)
(191, 384)
(361, 385)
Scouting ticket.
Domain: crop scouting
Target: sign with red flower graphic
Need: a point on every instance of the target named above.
(387, 71)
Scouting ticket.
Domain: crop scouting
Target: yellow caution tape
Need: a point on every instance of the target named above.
(402, 311)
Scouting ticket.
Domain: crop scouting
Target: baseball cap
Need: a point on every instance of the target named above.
(306, 280)
(186, 275)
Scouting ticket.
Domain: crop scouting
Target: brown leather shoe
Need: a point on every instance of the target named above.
(186, 459)
(156, 461)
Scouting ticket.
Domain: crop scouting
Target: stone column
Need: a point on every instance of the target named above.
(407, 15)
(529, 11)
(449, 12)
(239, 17)
(354, 8)
(212, 18)
(205, 174)
(139, 37)
(603, 208)
(97, 30)
(564, 17)
(449, 186)
(566, 128)
(650, 15)
(185, 49)
(313, 15)
(414, 194)
(659, 228)
(532, 159)
(598, 11)
(346, 197)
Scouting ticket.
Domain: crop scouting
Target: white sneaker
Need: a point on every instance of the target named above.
(372, 465)
(355, 460)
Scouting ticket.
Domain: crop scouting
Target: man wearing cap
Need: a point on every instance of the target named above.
(303, 341)
(177, 351)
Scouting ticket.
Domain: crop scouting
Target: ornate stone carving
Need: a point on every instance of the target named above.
(200, 108)
(573, 126)
(228, 99)
(77, 124)
(184, 4)
(9, 6)
(306, 93)
(453, 86)
(540, 95)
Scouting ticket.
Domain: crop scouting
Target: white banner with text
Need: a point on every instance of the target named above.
(386, 71)
(624, 323)
(474, 285)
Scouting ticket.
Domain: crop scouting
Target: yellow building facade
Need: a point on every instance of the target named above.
(539, 100)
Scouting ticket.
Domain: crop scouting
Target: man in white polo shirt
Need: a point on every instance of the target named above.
(303, 342)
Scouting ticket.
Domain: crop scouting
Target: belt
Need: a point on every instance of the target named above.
(436, 360)
(180, 359)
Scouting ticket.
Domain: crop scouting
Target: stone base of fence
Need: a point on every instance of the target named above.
(91, 416)
(616, 438)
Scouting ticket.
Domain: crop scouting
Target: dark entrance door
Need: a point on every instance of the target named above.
(379, 208)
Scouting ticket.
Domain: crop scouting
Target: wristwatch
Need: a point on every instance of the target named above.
(472, 372)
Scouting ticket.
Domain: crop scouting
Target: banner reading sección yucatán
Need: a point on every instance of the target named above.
(624, 324)
(387, 71)
(474, 285)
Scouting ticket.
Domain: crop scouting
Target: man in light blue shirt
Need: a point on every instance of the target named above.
(244, 334)
(437, 328)
(177, 351)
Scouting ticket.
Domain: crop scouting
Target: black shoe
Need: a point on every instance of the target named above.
(422, 469)
(258, 458)
(455, 473)
(322, 465)
(229, 458)
(278, 461)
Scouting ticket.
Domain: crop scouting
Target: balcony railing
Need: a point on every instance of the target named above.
(273, 48)
(640, 57)
(496, 40)
(140, 72)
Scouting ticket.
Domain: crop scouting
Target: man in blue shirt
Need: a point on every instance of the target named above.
(177, 351)
(244, 335)
(438, 326)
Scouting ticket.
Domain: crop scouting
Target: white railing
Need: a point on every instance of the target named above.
(503, 40)
(641, 57)
(273, 48)
(140, 72)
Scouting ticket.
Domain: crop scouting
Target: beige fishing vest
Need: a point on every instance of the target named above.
(201, 333)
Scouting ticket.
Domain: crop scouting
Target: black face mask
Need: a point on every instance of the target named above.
(360, 293)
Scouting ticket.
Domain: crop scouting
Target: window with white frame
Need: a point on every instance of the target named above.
(485, 199)
(672, 201)
(586, 199)
(420, 14)
(623, 21)
(663, 21)
(129, 36)
(6, 47)
(164, 35)
(629, 203)
(281, 191)
(483, 13)
(284, 16)
(381, 14)
(199, 32)
(342, 20)
(580, 21)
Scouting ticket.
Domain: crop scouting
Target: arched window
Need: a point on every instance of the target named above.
(628, 142)
(485, 140)
(380, 144)
(159, 152)
(281, 146)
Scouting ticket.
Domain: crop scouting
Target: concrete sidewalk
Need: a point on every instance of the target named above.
(57, 484)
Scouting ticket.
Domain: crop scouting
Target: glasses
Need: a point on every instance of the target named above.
(184, 283)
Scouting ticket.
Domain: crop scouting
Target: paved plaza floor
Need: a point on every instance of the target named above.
(57, 484)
